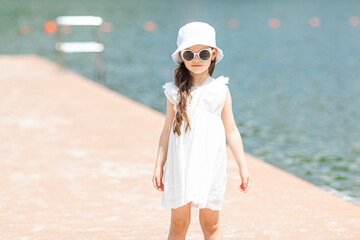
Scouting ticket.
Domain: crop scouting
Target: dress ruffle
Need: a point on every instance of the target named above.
(215, 94)
(217, 85)
(171, 91)
(213, 97)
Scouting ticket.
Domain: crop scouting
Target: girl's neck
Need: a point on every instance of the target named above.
(200, 78)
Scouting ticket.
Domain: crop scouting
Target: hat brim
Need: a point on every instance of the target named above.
(176, 56)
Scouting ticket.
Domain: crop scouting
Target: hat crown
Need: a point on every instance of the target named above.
(200, 31)
(194, 33)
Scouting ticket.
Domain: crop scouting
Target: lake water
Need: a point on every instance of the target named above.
(295, 89)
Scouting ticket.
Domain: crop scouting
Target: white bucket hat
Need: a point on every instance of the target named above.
(196, 33)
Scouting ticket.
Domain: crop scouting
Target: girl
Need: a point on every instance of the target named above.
(192, 147)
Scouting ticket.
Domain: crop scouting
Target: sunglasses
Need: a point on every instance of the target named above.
(203, 55)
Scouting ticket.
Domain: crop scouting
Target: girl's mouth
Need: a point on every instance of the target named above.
(196, 65)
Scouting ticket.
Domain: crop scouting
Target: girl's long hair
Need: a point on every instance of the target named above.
(185, 81)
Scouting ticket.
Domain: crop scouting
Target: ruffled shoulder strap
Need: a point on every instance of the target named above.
(218, 85)
(215, 93)
(171, 91)
(221, 80)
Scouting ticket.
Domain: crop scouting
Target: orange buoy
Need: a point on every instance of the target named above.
(24, 30)
(107, 27)
(274, 23)
(50, 27)
(314, 22)
(233, 23)
(150, 26)
(354, 21)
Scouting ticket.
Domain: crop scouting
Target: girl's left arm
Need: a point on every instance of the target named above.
(232, 133)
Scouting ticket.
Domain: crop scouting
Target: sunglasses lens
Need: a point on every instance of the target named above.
(204, 55)
(188, 55)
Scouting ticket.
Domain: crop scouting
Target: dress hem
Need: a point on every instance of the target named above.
(193, 205)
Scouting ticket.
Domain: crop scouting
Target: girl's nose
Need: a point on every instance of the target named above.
(197, 59)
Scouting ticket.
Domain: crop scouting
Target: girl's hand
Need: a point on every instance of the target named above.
(157, 179)
(245, 179)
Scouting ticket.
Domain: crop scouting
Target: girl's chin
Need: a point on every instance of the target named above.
(197, 70)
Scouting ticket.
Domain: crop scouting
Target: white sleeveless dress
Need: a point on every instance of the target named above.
(196, 165)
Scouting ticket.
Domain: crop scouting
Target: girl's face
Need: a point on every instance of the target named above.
(198, 66)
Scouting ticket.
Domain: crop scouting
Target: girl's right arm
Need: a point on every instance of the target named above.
(163, 146)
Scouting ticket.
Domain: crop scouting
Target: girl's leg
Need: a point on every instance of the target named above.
(210, 224)
(180, 221)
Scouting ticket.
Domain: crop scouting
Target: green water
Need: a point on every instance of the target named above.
(295, 89)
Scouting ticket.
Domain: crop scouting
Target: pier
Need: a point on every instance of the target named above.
(77, 161)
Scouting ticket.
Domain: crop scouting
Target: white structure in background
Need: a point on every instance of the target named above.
(76, 47)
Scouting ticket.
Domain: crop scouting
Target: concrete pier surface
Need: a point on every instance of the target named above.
(77, 161)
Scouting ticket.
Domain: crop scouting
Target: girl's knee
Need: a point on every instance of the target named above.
(180, 224)
(210, 226)
(209, 219)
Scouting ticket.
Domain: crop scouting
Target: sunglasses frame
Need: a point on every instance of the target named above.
(211, 50)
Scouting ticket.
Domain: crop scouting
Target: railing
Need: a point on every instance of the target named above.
(97, 47)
